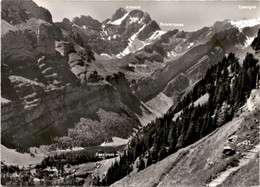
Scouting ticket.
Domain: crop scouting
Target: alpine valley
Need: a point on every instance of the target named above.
(123, 103)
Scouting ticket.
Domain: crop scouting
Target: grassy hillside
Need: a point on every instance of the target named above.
(12, 157)
(199, 163)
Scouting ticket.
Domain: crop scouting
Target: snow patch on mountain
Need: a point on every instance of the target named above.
(134, 44)
(119, 21)
(106, 55)
(156, 35)
(134, 20)
(75, 25)
(202, 100)
(210, 32)
(245, 23)
(249, 40)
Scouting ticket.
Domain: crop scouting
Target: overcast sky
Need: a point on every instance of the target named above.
(193, 14)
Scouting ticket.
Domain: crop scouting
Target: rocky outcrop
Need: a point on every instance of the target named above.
(118, 14)
(18, 45)
(253, 103)
(46, 115)
(127, 97)
(34, 32)
(19, 11)
(46, 99)
(86, 21)
(222, 25)
(148, 30)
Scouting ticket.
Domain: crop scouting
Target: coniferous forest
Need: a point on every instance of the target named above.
(228, 85)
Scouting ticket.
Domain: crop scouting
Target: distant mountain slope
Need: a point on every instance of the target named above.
(213, 102)
(117, 36)
(192, 53)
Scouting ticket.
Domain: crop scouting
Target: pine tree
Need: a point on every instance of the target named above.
(141, 165)
(149, 159)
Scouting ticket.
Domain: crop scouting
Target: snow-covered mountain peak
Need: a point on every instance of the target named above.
(118, 14)
(240, 24)
(134, 16)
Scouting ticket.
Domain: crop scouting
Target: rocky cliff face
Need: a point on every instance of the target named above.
(253, 103)
(19, 11)
(39, 118)
(24, 44)
(49, 84)
(86, 21)
(118, 14)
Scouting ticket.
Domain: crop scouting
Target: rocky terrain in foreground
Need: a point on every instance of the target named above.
(205, 162)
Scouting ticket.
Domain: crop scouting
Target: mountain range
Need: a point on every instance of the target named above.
(56, 76)
(177, 96)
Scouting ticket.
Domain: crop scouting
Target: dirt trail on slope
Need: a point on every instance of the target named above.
(242, 162)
